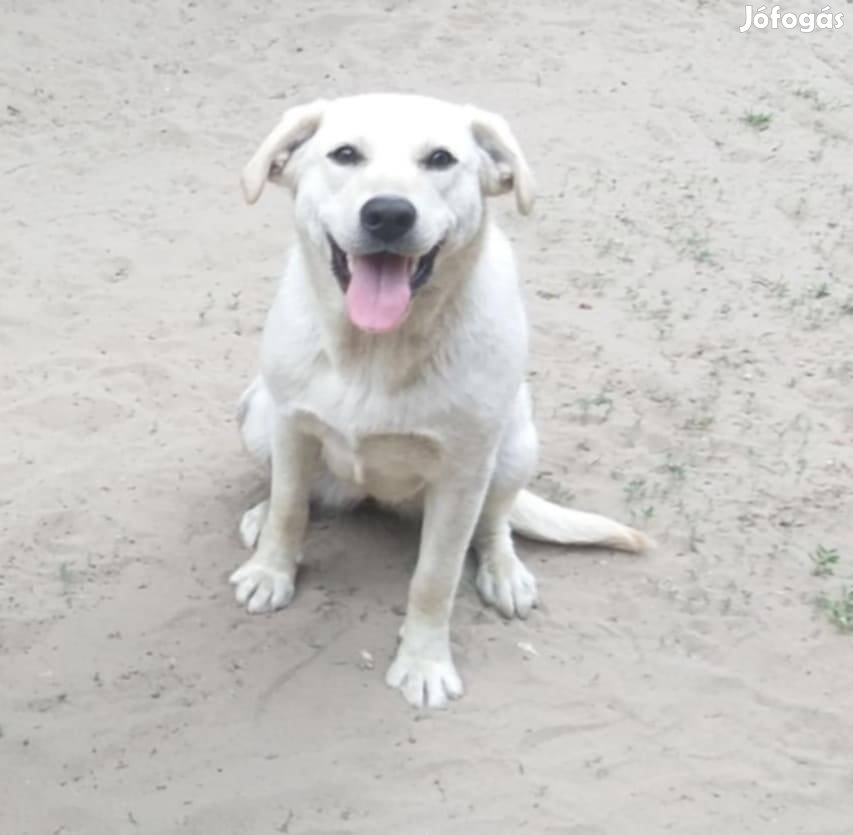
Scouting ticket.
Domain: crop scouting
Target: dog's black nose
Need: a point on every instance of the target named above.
(388, 218)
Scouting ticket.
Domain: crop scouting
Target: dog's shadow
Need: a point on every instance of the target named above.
(366, 553)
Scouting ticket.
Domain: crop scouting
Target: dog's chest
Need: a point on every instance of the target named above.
(389, 465)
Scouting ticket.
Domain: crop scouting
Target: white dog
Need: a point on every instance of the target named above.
(393, 362)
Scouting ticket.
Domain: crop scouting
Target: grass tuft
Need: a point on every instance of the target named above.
(757, 121)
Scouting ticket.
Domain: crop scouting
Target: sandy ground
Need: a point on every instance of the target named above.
(689, 277)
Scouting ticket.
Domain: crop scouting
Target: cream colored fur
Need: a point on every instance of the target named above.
(433, 416)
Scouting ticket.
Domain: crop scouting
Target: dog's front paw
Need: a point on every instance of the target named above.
(261, 587)
(425, 680)
(508, 586)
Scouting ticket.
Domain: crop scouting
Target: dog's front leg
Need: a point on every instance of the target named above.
(266, 582)
(423, 668)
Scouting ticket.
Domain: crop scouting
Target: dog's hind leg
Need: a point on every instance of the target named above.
(252, 522)
(266, 581)
(503, 580)
(327, 493)
(255, 413)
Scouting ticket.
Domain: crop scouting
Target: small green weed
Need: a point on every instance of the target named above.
(757, 121)
(824, 561)
(840, 610)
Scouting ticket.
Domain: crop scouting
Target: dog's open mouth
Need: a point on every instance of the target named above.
(379, 286)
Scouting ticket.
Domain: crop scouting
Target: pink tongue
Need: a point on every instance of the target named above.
(378, 294)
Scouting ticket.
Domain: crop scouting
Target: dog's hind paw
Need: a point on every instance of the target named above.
(508, 586)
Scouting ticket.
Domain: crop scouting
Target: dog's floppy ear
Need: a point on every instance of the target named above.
(297, 125)
(504, 167)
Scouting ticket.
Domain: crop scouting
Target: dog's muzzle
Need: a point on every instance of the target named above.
(379, 286)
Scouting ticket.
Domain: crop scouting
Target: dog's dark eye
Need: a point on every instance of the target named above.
(439, 159)
(346, 155)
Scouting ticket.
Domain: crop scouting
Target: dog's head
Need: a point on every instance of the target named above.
(386, 184)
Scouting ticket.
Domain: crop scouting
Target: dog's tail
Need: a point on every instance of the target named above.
(537, 518)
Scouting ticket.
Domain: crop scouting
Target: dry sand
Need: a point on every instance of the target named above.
(689, 277)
